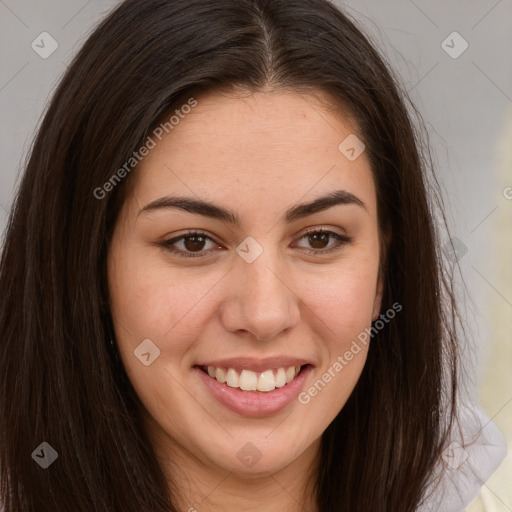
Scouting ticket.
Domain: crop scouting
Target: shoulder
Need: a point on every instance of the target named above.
(474, 452)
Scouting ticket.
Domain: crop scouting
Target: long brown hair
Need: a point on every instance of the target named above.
(60, 380)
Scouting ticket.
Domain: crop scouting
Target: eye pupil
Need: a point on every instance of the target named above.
(315, 238)
(194, 242)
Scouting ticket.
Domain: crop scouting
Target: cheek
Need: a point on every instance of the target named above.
(328, 392)
(150, 300)
(150, 303)
(344, 307)
(344, 298)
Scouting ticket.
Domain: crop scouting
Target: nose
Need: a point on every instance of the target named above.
(259, 299)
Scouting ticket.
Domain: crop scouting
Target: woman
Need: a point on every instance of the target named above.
(221, 282)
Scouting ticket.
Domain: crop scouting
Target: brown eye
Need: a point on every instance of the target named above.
(192, 244)
(319, 241)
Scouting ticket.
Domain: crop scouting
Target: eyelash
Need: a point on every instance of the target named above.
(341, 241)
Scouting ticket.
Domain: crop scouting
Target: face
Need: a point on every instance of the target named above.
(263, 288)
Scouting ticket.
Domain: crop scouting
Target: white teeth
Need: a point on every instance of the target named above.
(248, 380)
(252, 381)
(232, 379)
(290, 373)
(220, 375)
(280, 378)
(266, 381)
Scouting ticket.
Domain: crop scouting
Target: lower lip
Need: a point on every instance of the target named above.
(255, 403)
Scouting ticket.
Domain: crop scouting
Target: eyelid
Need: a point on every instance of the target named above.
(168, 243)
(341, 240)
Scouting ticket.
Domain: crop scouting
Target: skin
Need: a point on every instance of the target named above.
(258, 155)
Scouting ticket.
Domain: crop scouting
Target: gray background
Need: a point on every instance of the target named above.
(465, 101)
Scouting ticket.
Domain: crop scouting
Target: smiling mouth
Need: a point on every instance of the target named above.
(247, 380)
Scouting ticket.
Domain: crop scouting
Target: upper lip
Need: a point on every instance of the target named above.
(256, 364)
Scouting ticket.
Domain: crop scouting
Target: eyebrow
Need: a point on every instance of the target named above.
(199, 207)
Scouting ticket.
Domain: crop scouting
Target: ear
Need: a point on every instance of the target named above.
(378, 297)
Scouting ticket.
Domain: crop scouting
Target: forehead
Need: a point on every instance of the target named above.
(266, 146)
